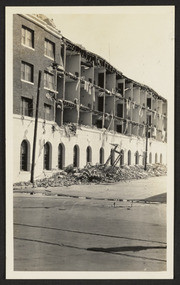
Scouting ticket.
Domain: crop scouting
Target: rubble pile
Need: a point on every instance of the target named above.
(98, 174)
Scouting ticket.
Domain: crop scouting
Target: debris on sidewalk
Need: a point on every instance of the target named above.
(97, 174)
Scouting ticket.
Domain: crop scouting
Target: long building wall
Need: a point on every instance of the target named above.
(78, 88)
(83, 137)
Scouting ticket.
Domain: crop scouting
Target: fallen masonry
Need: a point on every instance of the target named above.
(97, 174)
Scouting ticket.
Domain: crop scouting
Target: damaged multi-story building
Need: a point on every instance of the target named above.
(86, 106)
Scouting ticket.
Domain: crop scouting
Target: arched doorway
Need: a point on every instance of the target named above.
(129, 157)
(156, 158)
(88, 154)
(112, 156)
(121, 157)
(150, 158)
(61, 156)
(76, 156)
(24, 156)
(101, 155)
(137, 157)
(47, 156)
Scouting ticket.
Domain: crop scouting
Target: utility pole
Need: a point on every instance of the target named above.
(35, 127)
(146, 150)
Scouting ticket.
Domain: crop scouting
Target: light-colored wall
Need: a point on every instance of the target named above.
(24, 129)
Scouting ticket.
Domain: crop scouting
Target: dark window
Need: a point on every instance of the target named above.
(119, 129)
(112, 156)
(47, 112)
(143, 158)
(150, 157)
(49, 49)
(99, 124)
(88, 154)
(27, 37)
(47, 156)
(156, 158)
(149, 103)
(48, 80)
(101, 80)
(76, 156)
(100, 103)
(120, 110)
(149, 120)
(26, 71)
(26, 107)
(136, 157)
(120, 88)
(61, 156)
(24, 156)
(161, 158)
(101, 155)
(129, 157)
(62, 53)
(121, 157)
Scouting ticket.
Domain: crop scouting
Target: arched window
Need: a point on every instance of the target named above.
(143, 158)
(61, 156)
(156, 158)
(47, 156)
(137, 157)
(161, 158)
(129, 157)
(76, 156)
(121, 157)
(88, 154)
(112, 156)
(24, 156)
(150, 158)
(101, 155)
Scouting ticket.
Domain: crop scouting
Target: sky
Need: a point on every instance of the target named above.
(138, 41)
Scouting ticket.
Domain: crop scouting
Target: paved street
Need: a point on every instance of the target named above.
(60, 233)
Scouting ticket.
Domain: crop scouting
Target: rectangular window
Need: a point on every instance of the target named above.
(120, 88)
(27, 37)
(101, 80)
(120, 110)
(26, 71)
(26, 107)
(47, 112)
(49, 48)
(48, 80)
(119, 128)
(149, 103)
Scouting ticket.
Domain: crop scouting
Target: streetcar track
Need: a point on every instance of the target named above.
(89, 233)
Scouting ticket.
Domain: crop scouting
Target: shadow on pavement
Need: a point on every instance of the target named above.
(125, 248)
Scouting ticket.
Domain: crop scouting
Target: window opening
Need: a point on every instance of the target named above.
(24, 156)
(101, 80)
(26, 107)
(120, 110)
(89, 154)
(101, 158)
(100, 103)
(76, 156)
(47, 156)
(26, 71)
(27, 37)
(129, 157)
(136, 157)
(48, 80)
(61, 154)
(49, 48)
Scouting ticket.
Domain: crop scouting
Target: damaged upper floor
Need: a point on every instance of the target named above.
(78, 86)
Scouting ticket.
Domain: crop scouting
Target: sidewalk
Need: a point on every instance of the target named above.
(129, 190)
